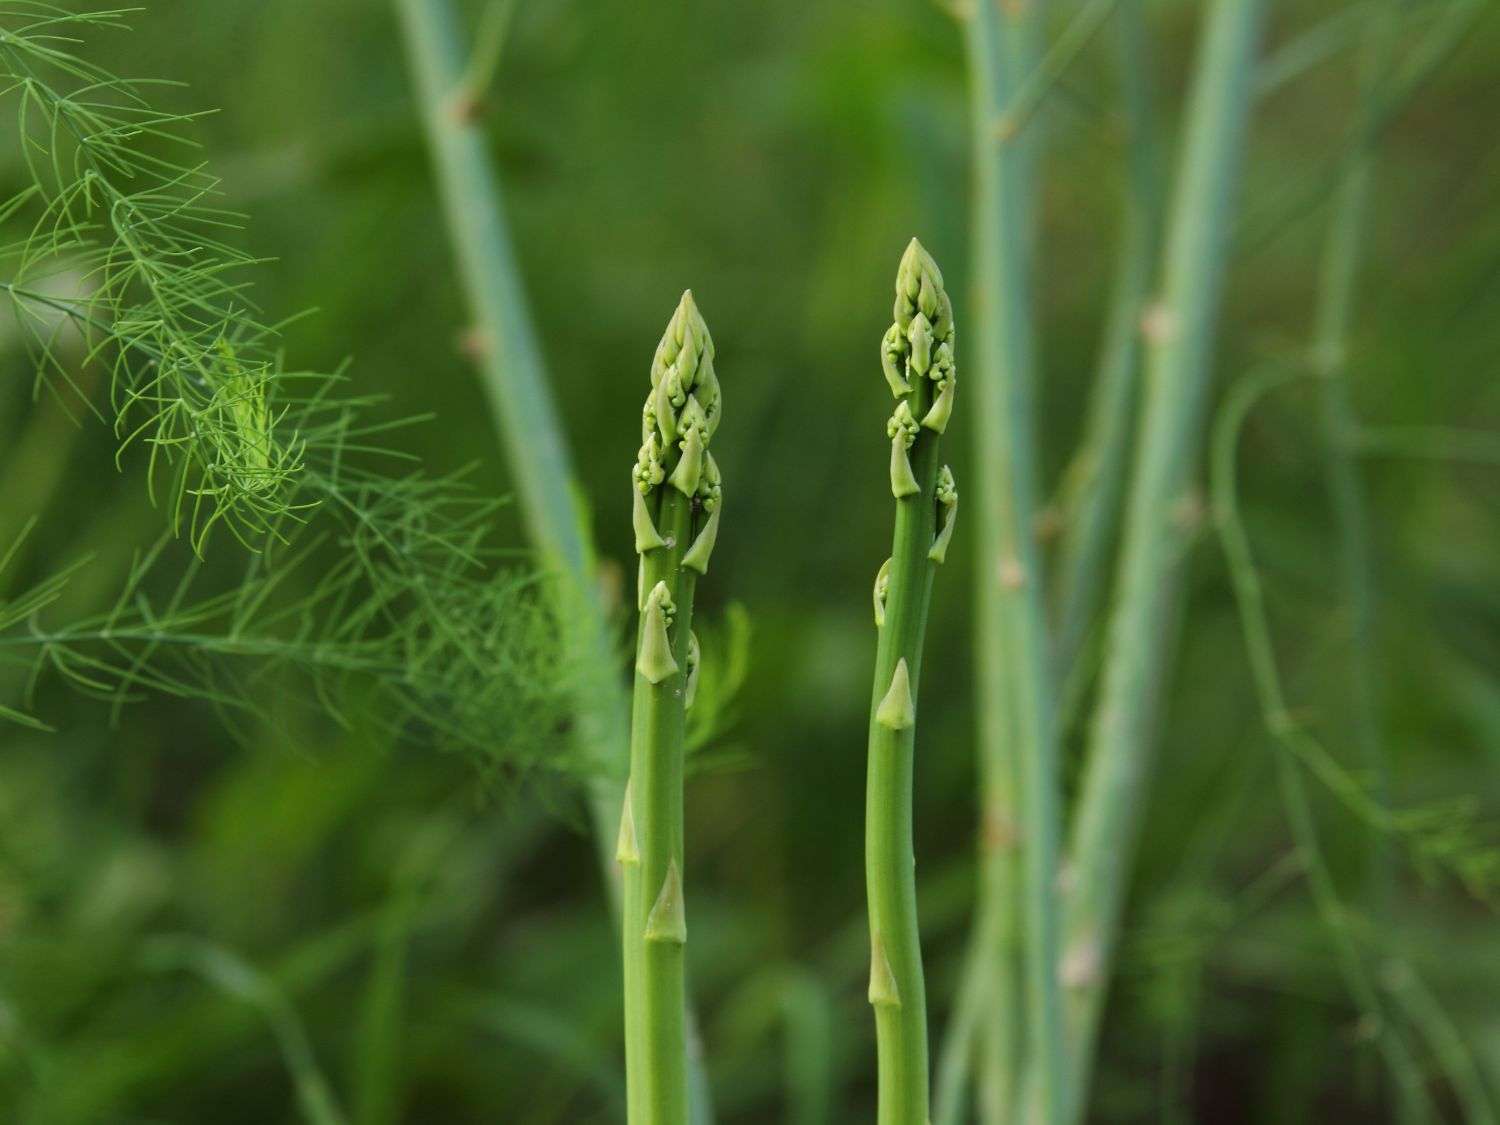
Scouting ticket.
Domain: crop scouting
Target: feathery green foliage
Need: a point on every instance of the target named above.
(364, 575)
(676, 503)
(127, 245)
(917, 355)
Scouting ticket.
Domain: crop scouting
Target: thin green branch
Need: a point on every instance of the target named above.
(1034, 87)
(1332, 321)
(1179, 365)
(1444, 1039)
(1095, 485)
(1288, 739)
(235, 977)
(1016, 914)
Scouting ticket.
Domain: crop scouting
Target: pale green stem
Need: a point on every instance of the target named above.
(1333, 319)
(1096, 481)
(515, 379)
(1018, 724)
(516, 384)
(955, 1066)
(1158, 518)
(1414, 1102)
(1445, 1040)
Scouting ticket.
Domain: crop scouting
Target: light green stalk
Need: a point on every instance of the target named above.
(515, 382)
(1413, 1103)
(515, 379)
(1004, 49)
(676, 517)
(1018, 729)
(1096, 480)
(918, 358)
(1159, 506)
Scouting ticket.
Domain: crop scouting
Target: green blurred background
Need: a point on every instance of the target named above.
(437, 948)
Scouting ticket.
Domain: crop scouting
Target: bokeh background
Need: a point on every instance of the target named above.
(390, 921)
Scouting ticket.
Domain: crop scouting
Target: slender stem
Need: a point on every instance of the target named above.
(1018, 728)
(1249, 595)
(1445, 1040)
(515, 379)
(1096, 481)
(1332, 323)
(1179, 364)
(991, 980)
(919, 358)
(956, 1060)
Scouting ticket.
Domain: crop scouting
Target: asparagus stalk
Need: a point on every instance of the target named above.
(1179, 374)
(917, 356)
(676, 518)
(515, 380)
(1096, 479)
(1018, 732)
(517, 386)
(1003, 49)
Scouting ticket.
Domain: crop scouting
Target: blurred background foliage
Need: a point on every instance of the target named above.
(195, 927)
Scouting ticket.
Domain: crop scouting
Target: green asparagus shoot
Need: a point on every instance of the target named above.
(918, 360)
(676, 508)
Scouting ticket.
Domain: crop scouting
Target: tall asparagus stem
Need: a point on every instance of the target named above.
(918, 357)
(1179, 367)
(1003, 51)
(1096, 480)
(1018, 740)
(516, 384)
(676, 516)
(515, 378)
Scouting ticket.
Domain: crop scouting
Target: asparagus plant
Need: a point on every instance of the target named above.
(917, 355)
(1179, 369)
(1017, 731)
(676, 502)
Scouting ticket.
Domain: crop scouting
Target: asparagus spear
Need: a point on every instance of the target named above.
(676, 520)
(917, 355)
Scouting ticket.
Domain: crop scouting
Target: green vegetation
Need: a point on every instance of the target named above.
(1221, 704)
